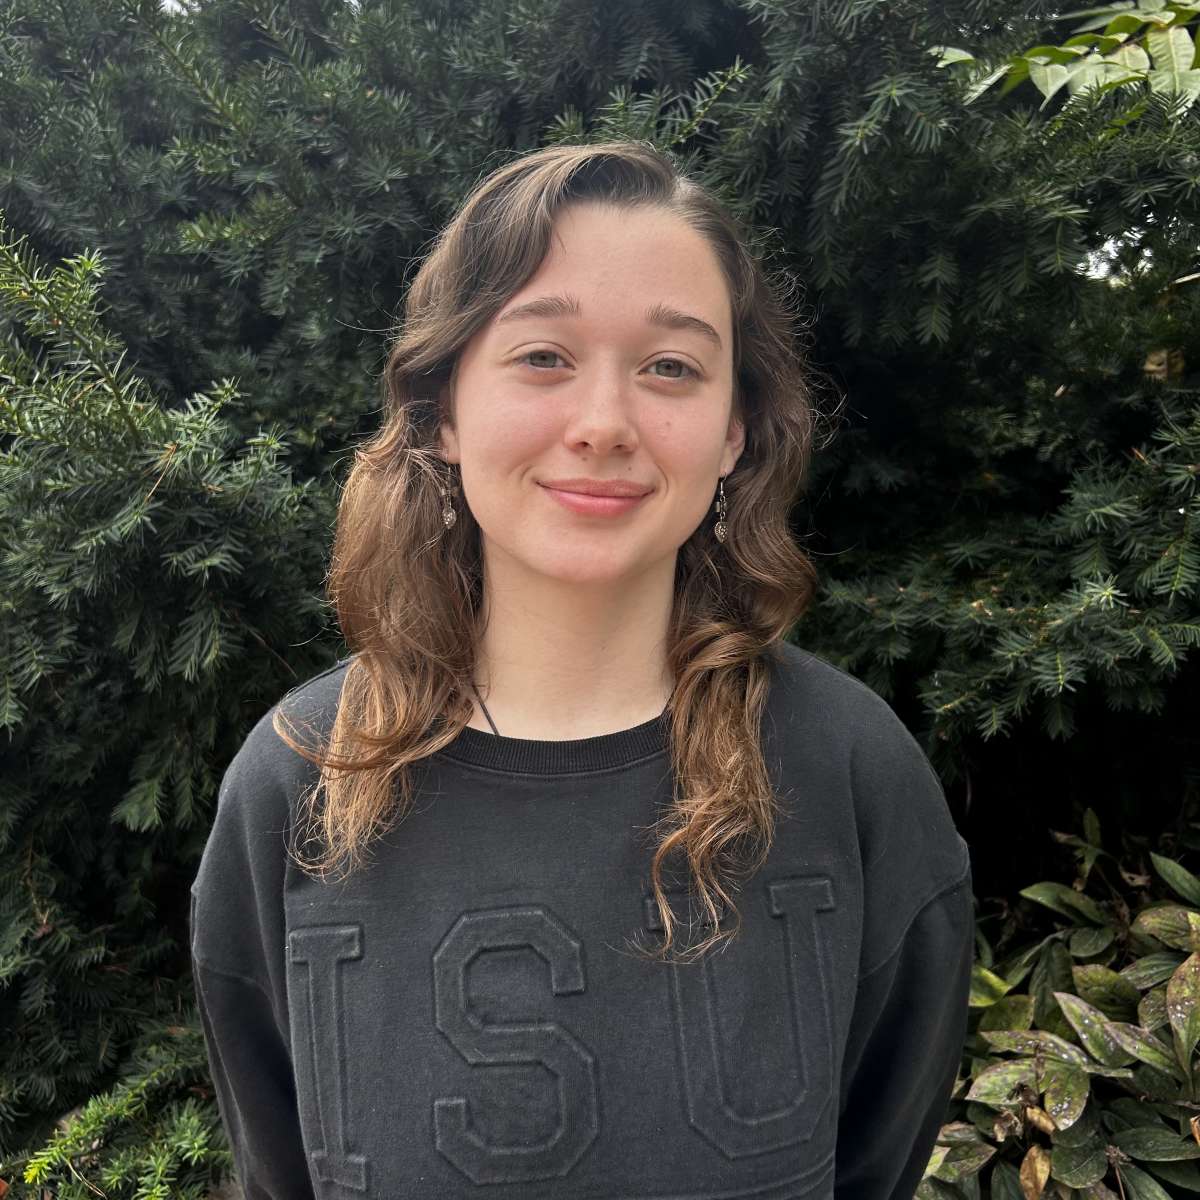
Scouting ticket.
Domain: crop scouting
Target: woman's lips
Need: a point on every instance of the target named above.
(597, 506)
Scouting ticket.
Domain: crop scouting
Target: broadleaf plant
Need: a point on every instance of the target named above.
(1081, 1067)
(1115, 46)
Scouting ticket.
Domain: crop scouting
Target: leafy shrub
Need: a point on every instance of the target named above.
(1082, 1064)
(155, 1136)
(153, 560)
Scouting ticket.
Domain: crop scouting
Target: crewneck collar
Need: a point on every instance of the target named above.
(529, 756)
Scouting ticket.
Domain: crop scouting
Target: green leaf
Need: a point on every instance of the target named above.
(1126, 24)
(986, 987)
(1086, 1129)
(139, 809)
(956, 1133)
(1051, 973)
(1048, 77)
(981, 85)
(1018, 72)
(1033, 1042)
(1151, 969)
(1139, 1185)
(1166, 923)
(1103, 45)
(1127, 63)
(935, 1159)
(1144, 1047)
(1104, 988)
(1126, 1112)
(1092, 1027)
(1099, 73)
(1084, 943)
(1184, 1175)
(1018, 966)
(951, 54)
(1183, 1006)
(993, 1084)
(1130, 57)
(1180, 880)
(1186, 84)
(934, 1189)
(1155, 1142)
(1012, 1012)
(1152, 1009)
(934, 320)
(1156, 1084)
(1066, 1091)
(1079, 1166)
(1062, 55)
(964, 1160)
(1172, 52)
(1066, 901)
(1006, 1183)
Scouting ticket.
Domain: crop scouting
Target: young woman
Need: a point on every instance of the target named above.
(576, 879)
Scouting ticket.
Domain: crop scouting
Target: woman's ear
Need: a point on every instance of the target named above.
(447, 436)
(735, 443)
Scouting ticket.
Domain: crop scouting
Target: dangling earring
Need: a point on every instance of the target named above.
(449, 516)
(721, 529)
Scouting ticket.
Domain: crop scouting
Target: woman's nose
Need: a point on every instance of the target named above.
(601, 412)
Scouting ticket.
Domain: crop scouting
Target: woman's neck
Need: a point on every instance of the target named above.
(561, 661)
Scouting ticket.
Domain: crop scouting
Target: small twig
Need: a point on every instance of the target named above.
(86, 1183)
(171, 448)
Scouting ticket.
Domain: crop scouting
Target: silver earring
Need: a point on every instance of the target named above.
(449, 516)
(721, 529)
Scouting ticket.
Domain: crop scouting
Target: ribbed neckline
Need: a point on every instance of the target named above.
(528, 756)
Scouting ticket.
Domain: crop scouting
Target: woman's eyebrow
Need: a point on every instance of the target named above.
(662, 315)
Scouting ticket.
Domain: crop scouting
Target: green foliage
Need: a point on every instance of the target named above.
(1082, 1069)
(153, 562)
(1104, 588)
(1118, 46)
(145, 1139)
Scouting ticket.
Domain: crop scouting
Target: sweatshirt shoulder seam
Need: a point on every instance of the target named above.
(301, 690)
(940, 893)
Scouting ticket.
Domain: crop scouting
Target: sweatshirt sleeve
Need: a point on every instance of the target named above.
(903, 1054)
(909, 1022)
(251, 1071)
(237, 945)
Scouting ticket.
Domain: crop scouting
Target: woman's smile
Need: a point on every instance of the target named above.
(590, 505)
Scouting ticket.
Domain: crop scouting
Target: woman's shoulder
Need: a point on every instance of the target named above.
(815, 699)
(265, 765)
(315, 701)
(831, 734)
(807, 681)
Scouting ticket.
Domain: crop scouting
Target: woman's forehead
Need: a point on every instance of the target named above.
(642, 259)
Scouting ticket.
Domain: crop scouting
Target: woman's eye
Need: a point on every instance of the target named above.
(673, 362)
(548, 360)
(542, 354)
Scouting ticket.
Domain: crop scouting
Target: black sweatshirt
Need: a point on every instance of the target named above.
(465, 1015)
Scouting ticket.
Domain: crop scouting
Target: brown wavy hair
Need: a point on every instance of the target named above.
(407, 591)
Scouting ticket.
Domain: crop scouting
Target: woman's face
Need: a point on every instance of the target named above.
(612, 364)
